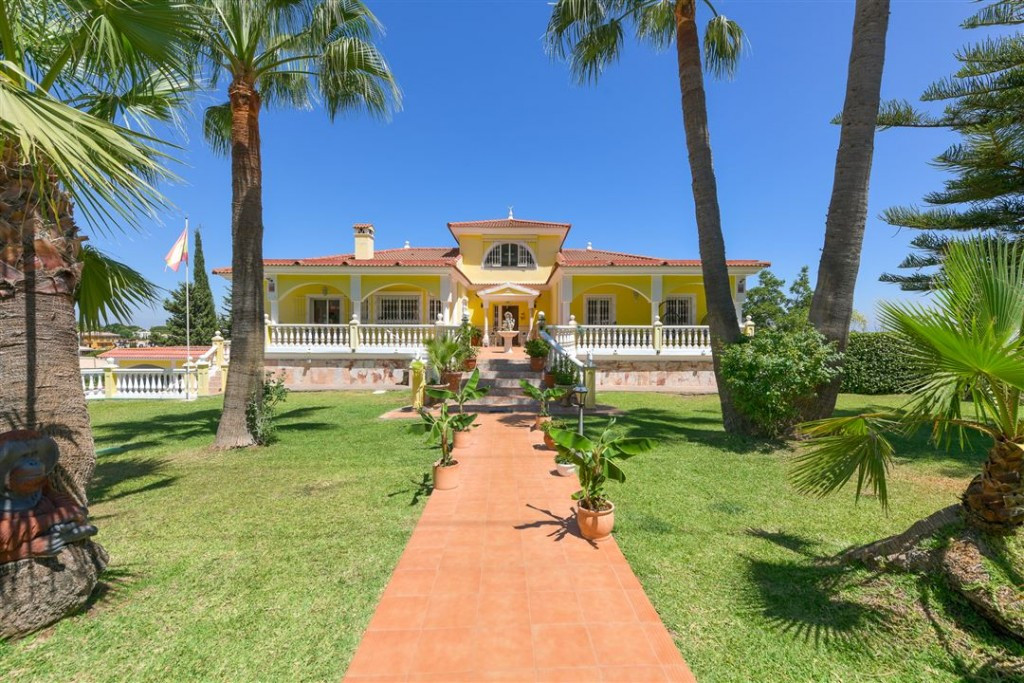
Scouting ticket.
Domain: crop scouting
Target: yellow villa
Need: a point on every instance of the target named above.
(358, 317)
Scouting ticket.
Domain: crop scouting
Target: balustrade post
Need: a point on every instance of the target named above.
(748, 326)
(657, 336)
(574, 329)
(353, 333)
(109, 380)
(203, 377)
(266, 331)
(218, 349)
(439, 331)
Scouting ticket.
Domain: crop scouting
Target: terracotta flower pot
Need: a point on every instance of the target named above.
(596, 526)
(537, 363)
(446, 478)
(565, 469)
(541, 420)
(469, 364)
(462, 439)
(548, 441)
(549, 379)
(452, 379)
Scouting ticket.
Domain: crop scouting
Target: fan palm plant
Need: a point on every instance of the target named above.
(276, 53)
(590, 34)
(69, 71)
(969, 346)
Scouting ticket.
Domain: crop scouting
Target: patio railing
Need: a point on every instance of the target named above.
(352, 337)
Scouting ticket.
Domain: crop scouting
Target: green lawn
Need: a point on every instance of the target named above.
(266, 565)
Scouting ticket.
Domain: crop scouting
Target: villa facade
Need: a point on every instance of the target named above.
(358, 317)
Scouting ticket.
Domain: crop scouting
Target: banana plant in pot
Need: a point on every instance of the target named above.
(440, 429)
(596, 462)
(543, 397)
(463, 422)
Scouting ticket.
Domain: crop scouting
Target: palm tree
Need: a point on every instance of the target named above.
(590, 34)
(969, 345)
(832, 305)
(276, 53)
(69, 70)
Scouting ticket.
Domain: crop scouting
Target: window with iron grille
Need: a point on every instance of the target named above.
(678, 310)
(398, 309)
(434, 309)
(599, 310)
(509, 255)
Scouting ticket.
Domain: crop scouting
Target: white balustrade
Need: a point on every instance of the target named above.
(624, 339)
(149, 383)
(289, 337)
(92, 383)
(685, 338)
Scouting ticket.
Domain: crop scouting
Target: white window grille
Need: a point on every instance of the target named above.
(434, 309)
(398, 309)
(600, 310)
(509, 255)
(679, 310)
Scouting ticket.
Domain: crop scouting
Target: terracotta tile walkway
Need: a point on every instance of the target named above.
(497, 585)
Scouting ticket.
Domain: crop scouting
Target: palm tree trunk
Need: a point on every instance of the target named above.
(832, 305)
(40, 381)
(246, 372)
(721, 308)
(994, 500)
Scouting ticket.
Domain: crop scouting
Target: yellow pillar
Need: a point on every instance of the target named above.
(590, 380)
(748, 326)
(218, 349)
(109, 380)
(418, 382)
(203, 377)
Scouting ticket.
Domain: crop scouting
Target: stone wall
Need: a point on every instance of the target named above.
(322, 374)
(696, 376)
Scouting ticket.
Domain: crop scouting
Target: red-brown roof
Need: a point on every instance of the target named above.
(412, 256)
(508, 223)
(156, 353)
(580, 258)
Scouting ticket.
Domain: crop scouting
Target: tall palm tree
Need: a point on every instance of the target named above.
(69, 70)
(590, 34)
(276, 53)
(969, 346)
(832, 305)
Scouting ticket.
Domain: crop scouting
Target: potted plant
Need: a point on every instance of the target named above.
(566, 377)
(440, 430)
(467, 346)
(596, 462)
(547, 427)
(469, 358)
(537, 350)
(564, 466)
(544, 397)
(443, 357)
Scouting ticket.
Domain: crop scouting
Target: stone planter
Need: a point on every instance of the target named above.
(446, 478)
(595, 526)
(565, 470)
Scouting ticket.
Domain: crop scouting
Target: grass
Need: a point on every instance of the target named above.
(267, 564)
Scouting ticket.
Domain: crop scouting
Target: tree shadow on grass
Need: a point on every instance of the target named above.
(111, 473)
(670, 425)
(802, 596)
(112, 583)
(419, 489)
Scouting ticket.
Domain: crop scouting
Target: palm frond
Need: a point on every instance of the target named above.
(217, 127)
(109, 290)
(724, 45)
(843, 448)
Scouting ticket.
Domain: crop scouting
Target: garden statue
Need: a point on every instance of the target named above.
(48, 564)
(35, 519)
(509, 324)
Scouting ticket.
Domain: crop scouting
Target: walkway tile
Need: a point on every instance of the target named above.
(496, 584)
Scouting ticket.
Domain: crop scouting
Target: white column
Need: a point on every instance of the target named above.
(529, 332)
(565, 287)
(740, 296)
(446, 299)
(487, 317)
(656, 294)
(355, 295)
(272, 297)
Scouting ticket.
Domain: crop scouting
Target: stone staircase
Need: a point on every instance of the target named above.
(501, 376)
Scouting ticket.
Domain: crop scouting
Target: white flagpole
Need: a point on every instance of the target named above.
(188, 319)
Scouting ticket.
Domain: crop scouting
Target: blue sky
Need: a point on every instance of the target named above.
(489, 121)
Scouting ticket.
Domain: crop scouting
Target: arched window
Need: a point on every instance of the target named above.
(509, 255)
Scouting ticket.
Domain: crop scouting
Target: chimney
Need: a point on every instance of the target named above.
(364, 241)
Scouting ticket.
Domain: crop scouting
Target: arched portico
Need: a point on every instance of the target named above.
(507, 296)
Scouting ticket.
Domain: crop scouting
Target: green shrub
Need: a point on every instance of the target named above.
(877, 363)
(536, 348)
(259, 414)
(773, 372)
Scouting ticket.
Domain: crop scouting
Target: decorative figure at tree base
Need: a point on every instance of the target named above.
(48, 567)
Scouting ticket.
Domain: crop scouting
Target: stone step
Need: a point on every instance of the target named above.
(512, 382)
(506, 374)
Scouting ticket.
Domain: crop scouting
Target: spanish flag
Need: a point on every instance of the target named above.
(179, 252)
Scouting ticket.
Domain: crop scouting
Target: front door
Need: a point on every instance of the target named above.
(499, 319)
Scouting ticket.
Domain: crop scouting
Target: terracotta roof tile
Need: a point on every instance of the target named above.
(508, 223)
(156, 353)
(578, 258)
(410, 257)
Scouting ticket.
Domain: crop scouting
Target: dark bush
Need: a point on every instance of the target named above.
(877, 363)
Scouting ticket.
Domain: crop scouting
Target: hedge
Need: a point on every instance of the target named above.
(876, 363)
